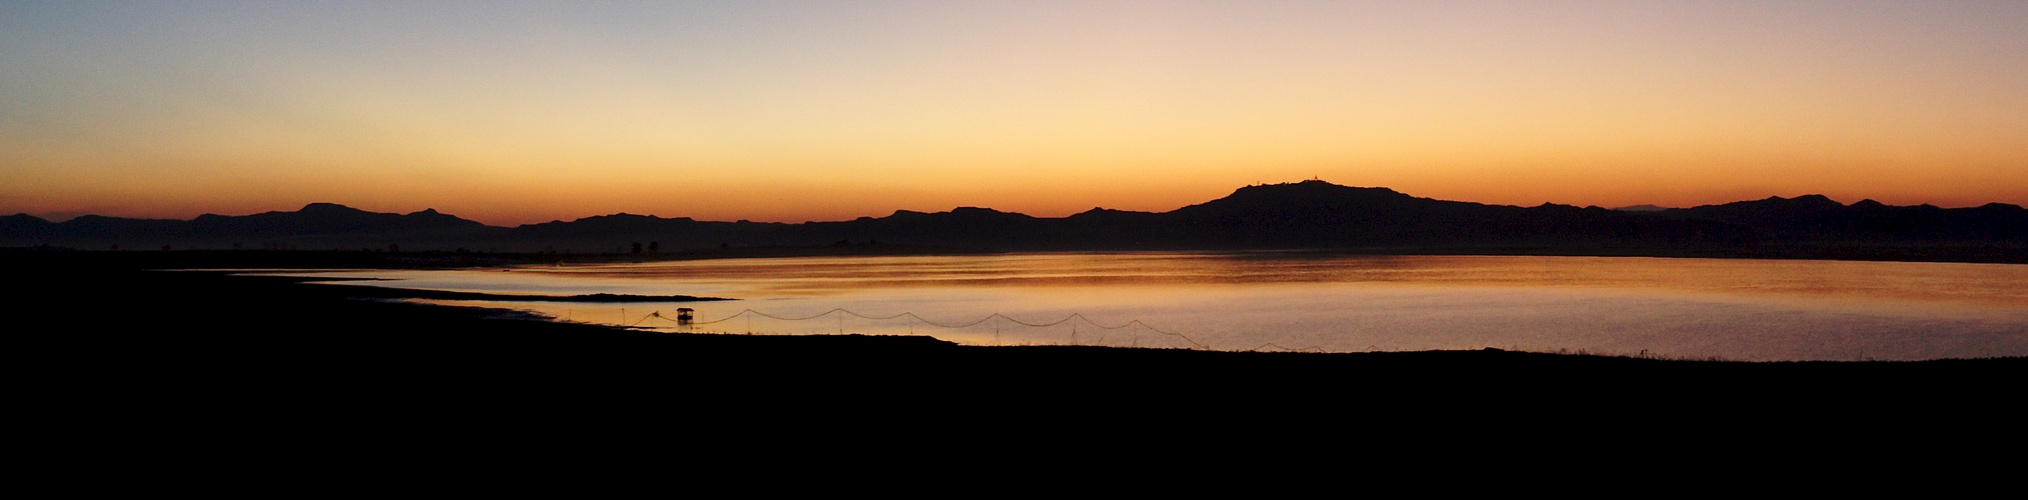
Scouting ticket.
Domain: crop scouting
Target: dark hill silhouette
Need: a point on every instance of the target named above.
(960, 227)
(1317, 214)
(26, 227)
(1301, 215)
(1816, 218)
(327, 219)
(316, 226)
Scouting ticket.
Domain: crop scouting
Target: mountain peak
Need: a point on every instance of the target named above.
(1315, 188)
(1310, 191)
(978, 213)
(1809, 202)
(1311, 184)
(1102, 213)
(322, 207)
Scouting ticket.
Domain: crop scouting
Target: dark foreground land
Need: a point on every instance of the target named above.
(109, 344)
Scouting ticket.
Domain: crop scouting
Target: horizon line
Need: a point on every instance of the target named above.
(62, 217)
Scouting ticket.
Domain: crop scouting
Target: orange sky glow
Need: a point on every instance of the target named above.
(523, 112)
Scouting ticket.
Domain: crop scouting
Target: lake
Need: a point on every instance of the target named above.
(1735, 309)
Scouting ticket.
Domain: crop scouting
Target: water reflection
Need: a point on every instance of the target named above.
(1734, 309)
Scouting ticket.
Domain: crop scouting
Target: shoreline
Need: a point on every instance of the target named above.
(375, 292)
(214, 342)
(381, 308)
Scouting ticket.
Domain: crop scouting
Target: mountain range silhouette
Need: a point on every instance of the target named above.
(1302, 215)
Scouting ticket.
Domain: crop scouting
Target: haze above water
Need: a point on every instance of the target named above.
(1687, 308)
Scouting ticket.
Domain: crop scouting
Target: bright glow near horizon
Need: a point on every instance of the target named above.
(526, 112)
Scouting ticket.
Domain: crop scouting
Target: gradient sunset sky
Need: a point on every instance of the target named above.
(519, 112)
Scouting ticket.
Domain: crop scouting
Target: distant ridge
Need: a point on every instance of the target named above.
(1819, 218)
(315, 226)
(1302, 215)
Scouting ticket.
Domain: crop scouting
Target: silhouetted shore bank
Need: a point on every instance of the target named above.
(175, 360)
(179, 359)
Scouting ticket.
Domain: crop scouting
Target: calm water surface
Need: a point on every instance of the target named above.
(1695, 308)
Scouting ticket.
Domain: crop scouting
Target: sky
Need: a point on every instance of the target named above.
(521, 112)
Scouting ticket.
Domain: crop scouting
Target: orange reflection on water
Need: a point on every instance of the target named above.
(1735, 309)
(2000, 285)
